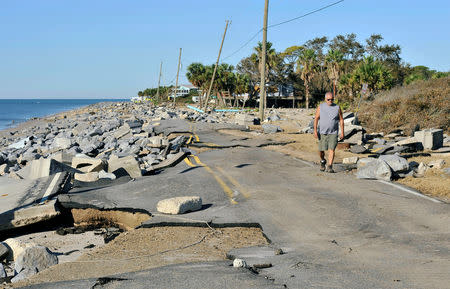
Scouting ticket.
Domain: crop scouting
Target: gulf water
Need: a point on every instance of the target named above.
(15, 111)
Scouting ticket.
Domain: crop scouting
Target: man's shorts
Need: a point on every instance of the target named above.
(327, 142)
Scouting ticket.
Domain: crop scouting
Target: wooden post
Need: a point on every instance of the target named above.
(262, 88)
(176, 83)
(159, 82)
(215, 67)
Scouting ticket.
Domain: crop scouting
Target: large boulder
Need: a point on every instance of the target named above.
(179, 205)
(397, 164)
(377, 169)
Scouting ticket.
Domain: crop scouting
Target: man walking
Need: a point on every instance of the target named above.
(328, 115)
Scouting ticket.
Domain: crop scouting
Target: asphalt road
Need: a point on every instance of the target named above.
(337, 231)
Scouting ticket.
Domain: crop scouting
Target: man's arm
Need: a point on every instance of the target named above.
(316, 121)
(341, 122)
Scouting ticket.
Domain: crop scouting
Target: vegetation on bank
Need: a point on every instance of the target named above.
(341, 64)
(423, 103)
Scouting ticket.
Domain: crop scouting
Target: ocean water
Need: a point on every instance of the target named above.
(14, 111)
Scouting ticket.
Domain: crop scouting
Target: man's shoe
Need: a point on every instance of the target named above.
(322, 165)
(329, 169)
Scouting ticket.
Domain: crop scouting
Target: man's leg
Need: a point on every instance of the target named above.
(322, 160)
(330, 157)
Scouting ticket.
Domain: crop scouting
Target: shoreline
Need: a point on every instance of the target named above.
(27, 124)
(13, 125)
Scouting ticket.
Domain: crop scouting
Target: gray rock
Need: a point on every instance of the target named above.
(2, 272)
(179, 205)
(61, 143)
(270, 128)
(358, 149)
(377, 169)
(38, 257)
(96, 131)
(24, 274)
(20, 144)
(397, 164)
(3, 251)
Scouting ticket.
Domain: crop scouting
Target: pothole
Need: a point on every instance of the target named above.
(146, 248)
(102, 218)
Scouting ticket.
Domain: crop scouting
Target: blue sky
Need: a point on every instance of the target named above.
(104, 49)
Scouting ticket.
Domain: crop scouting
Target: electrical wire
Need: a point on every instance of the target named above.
(281, 23)
(304, 15)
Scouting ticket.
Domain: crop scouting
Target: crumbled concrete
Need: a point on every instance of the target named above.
(179, 205)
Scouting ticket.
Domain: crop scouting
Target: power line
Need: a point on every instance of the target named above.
(281, 23)
(245, 44)
(304, 15)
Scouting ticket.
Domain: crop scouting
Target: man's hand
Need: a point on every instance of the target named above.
(315, 134)
(342, 135)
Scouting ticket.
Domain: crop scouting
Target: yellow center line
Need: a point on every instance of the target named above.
(224, 186)
(189, 140)
(234, 182)
(188, 162)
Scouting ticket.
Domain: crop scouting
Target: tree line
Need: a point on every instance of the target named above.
(341, 64)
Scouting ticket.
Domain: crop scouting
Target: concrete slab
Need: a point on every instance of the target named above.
(28, 215)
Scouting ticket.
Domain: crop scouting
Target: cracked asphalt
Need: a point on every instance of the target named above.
(336, 231)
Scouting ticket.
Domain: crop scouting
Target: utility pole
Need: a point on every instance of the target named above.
(159, 82)
(176, 83)
(262, 89)
(215, 67)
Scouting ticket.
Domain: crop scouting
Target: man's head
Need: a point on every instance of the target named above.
(329, 98)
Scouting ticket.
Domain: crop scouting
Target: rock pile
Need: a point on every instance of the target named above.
(104, 138)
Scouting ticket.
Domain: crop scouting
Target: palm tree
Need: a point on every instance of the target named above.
(197, 74)
(334, 61)
(374, 73)
(307, 67)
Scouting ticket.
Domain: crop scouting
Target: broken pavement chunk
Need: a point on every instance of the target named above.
(87, 165)
(44, 168)
(128, 163)
(87, 177)
(28, 215)
(430, 138)
(179, 205)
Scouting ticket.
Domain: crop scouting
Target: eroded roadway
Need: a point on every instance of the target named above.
(337, 231)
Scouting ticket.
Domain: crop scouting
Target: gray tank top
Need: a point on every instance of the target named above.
(329, 119)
